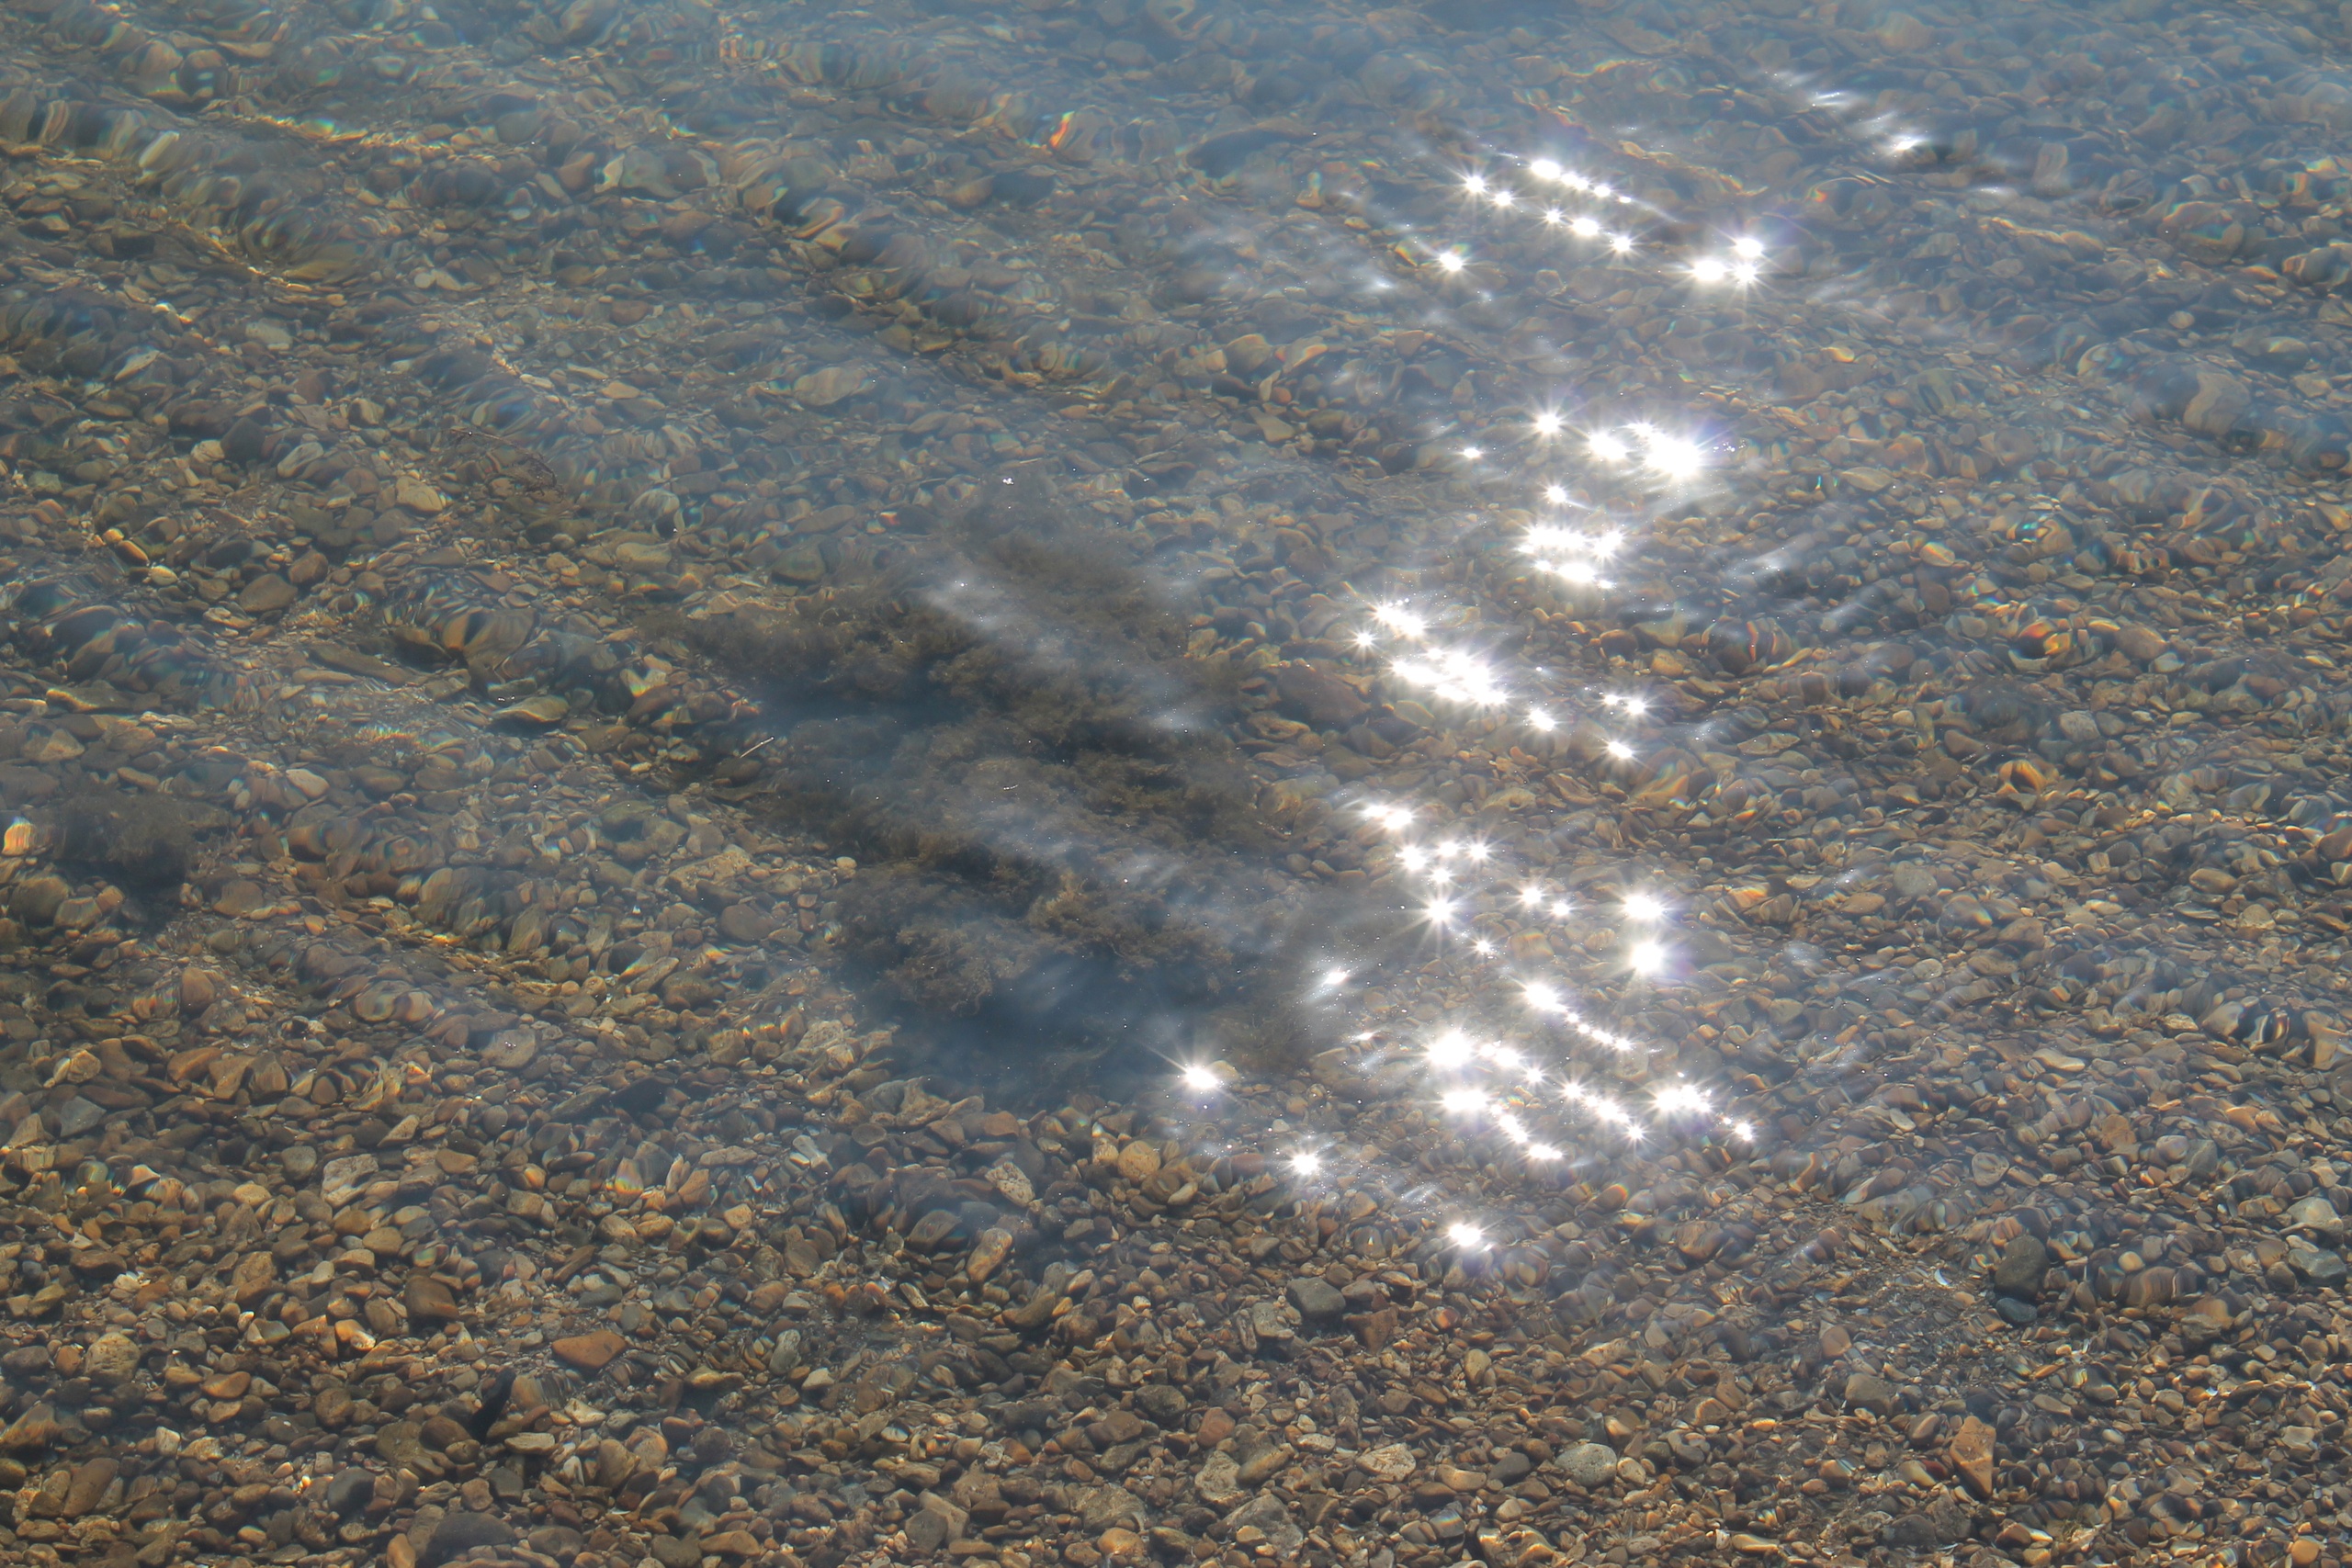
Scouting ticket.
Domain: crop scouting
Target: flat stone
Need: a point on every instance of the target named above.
(1268, 1320)
(589, 1352)
(342, 1179)
(460, 1533)
(36, 1430)
(114, 1359)
(1589, 1464)
(822, 388)
(1971, 1452)
(1218, 1481)
(1100, 1508)
(88, 1485)
(1315, 1298)
(745, 923)
(1864, 1392)
(266, 595)
(419, 497)
(1271, 1515)
(990, 1250)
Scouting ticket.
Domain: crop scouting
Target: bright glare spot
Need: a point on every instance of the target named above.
(1465, 1236)
(1707, 269)
(1453, 674)
(1451, 1049)
(1542, 1151)
(1398, 619)
(1680, 1099)
(1335, 977)
(1306, 1162)
(1365, 639)
(1476, 184)
(1646, 908)
(1449, 261)
(1748, 248)
(1483, 948)
(1673, 456)
(1414, 856)
(1544, 169)
(1556, 494)
(1620, 244)
(1474, 452)
(1637, 707)
(1743, 273)
(1608, 448)
(1532, 895)
(1574, 180)
(1200, 1077)
(1743, 1132)
(1441, 911)
(1476, 852)
(1544, 999)
(1648, 957)
(1506, 1058)
(1551, 216)
(1561, 909)
(1502, 198)
(1539, 719)
(1620, 751)
(1585, 228)
(1547, 424)
(1463, 1102)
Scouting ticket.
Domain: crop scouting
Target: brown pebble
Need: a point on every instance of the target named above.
(590, 1352)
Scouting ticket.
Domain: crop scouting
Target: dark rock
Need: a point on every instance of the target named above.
(1938, 1526)
(144, 840)
(244, 443)
(1864, 1392)
(429, 1302)
(2022, 1265)
(1322, 700)
(1315, 1300)
(460, 1533)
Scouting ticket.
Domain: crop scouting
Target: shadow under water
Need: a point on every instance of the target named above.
(1064, 855)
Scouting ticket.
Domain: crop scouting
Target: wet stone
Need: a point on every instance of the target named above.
(1315, 1300)
(1589, 1464)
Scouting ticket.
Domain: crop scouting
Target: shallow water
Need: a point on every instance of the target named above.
(1595, 562)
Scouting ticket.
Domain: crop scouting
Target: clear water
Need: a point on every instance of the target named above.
(1576, 559)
